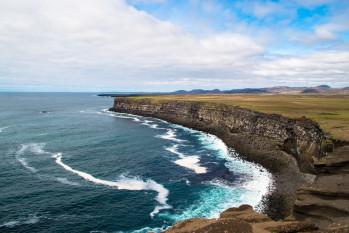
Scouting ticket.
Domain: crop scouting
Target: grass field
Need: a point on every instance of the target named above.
(330, 111)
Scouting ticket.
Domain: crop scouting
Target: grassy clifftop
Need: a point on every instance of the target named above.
(330, 111)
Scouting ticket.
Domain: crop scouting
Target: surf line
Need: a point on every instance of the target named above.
(124, 183)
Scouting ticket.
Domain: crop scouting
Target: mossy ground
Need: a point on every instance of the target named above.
(330, 111)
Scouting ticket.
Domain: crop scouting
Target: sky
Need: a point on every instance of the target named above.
(167, 45)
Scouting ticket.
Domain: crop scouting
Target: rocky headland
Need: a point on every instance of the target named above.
(311, 171)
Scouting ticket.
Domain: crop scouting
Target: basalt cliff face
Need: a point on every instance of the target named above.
(294, 150)
(243, 129)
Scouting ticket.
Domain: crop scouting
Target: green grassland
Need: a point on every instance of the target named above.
(330, 111)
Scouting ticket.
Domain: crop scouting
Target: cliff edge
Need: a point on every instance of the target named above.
(296, 151)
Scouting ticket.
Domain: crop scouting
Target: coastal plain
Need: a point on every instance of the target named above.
(330, 111)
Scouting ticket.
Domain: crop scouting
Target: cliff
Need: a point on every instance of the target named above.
(243, 129)
(294, 150)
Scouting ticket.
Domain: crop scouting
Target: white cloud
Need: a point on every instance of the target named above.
(319, 65)
(54, 36)
(111, 32)
(328, 31)
(106, 44)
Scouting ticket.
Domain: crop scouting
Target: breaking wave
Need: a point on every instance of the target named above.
(126, 183)
(148, 123)
(120, 115)
(191, 162)
(170, 135)
(255, 179)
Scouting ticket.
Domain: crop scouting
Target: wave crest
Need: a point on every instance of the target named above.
(124, 183)
(170, 135)
(191, 162)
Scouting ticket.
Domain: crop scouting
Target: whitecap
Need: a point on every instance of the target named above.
(3, 128)
(158, 208)
(23, 221)
(124, 183)
(170, 135)
(191, 162)
(174, 149)
(148, 123)
(154, 126)
(10, 224)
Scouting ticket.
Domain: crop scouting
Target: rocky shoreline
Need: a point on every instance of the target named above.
(295, 151)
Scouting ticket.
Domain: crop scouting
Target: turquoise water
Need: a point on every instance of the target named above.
(69, 165)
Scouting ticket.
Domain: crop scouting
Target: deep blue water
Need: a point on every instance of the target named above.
(68, 165)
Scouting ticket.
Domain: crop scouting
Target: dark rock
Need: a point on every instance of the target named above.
(241, 220)
(296, 151)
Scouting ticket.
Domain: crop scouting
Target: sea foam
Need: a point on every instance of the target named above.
(38, 149)
(126, 183)
(35, 148)
(170, 135)
(191, 162)
(32, 219)
(148, 123)
(3, 128)
(120, 115)
(64, 180)
(255, 179)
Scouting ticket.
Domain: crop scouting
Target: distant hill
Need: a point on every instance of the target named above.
(321, 89)
(310, 90)
(270, 90)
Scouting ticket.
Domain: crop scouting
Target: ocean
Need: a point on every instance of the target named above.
(70, 165)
